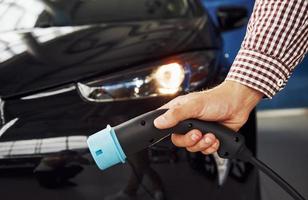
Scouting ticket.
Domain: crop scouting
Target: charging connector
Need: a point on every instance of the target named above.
(111, 145)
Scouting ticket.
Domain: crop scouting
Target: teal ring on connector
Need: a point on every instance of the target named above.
(105, 148)
(120, 151)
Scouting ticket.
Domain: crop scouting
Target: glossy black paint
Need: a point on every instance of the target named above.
(46, 145)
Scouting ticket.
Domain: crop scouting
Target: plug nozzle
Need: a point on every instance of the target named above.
(105, 148)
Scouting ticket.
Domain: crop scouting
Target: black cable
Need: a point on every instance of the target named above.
(140, 133)
(275, 177)
(140, 180)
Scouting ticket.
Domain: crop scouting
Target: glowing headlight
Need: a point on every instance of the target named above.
(169, 78)
(188, 72)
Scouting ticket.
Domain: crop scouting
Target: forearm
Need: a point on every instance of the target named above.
(241, 98)
(243, 95)
(276, 41)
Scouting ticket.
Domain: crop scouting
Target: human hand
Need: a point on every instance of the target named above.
(230, 104)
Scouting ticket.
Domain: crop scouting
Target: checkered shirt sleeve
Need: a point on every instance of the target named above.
(276, 41)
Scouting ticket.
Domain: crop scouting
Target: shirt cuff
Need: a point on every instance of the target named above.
(259, 71)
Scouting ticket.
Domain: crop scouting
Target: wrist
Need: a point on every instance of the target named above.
(242, 96)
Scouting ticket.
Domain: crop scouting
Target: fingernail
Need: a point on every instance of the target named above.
(159, 121)
(208, 140)
(195, 137)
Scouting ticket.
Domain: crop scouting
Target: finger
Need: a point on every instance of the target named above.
(234, 126)
(212, 149)
(174, 102)
(206, 141)
(187, 140)
(175, 115)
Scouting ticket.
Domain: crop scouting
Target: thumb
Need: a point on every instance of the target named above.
(174, 115)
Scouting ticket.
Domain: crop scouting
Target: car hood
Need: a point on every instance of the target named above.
(39, 58)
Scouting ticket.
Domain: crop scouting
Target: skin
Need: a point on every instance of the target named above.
(229, 103)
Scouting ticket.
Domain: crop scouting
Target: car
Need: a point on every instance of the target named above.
(69, 68)
(295, 93)
(233, 17)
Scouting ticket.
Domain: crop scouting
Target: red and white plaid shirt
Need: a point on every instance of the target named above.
(276, 41)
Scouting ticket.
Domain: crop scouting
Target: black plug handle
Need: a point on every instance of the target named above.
(140, 132)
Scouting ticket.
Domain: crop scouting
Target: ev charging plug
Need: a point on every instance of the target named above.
(110, 146)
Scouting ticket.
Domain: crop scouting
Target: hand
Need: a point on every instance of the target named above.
(230, 103)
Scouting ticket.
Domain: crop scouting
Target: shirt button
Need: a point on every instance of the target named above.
(280, 82)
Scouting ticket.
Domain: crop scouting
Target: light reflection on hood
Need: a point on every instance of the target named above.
(19, 14)
(12, 44)
(42, 146)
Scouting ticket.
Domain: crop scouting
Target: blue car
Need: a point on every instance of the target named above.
(295, 93)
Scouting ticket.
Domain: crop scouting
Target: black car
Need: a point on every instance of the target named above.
(70, 67)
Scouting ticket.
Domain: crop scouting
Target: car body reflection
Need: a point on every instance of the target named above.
(49, 48)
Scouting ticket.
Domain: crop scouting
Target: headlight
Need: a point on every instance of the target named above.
(172, 76)
(169, 78)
